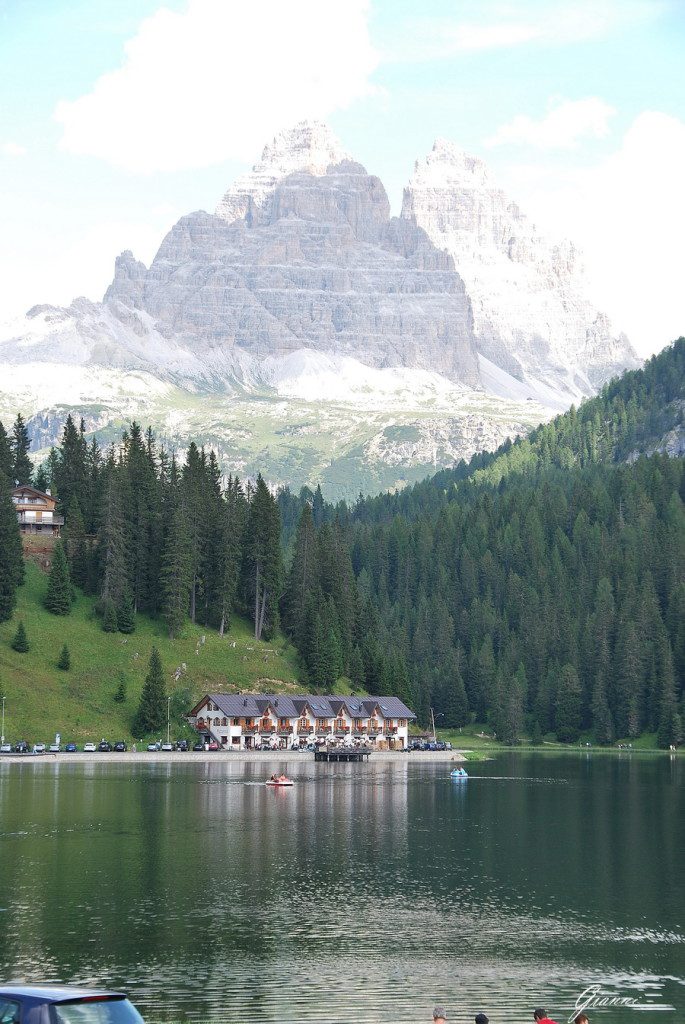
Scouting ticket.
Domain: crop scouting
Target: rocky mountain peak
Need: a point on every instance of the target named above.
(448, 165)
(309, 147)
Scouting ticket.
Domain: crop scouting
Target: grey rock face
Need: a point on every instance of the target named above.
(315, 261)
(531, 316)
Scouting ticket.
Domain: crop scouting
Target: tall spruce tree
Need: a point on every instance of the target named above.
(22, 467)
(152, 710)
(263, 560)
(176, 572)
(5, 454)
(11, 555)
(74, 537)
(58, 596)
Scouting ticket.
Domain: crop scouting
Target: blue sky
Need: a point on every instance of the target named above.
(117, 117)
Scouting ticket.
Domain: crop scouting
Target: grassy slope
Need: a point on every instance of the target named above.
(79, 703)
(469, 737)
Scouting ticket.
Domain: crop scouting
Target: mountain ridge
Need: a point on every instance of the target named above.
(302, 266)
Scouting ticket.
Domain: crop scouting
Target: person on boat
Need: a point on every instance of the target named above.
(274, 777)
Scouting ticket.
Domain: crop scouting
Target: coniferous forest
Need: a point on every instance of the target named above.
(538, 590)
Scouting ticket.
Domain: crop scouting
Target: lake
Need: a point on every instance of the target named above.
(365, 893)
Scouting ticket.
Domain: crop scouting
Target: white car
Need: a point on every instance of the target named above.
(89, 748)
(6, 748)
(38, 748)
(167, 746)
(54, 748)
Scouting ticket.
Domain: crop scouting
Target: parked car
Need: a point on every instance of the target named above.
(153, 747)
(200, 745)
(182, 745)
(104, 747)
(89, 748)
(167, 747)
(38, 748)
(54, 748)
(120, 746)
(70, 748)
(62, 1004)
(21, 747)
(441, 745)
(6, 748)
(213, 745)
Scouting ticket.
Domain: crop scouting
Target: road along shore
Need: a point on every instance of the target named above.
(232, 757)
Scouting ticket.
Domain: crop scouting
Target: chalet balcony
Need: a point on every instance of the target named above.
(343, 732)
(305, 730)
(250, 730)
(285, 730)
(268, 730)
(375, 732)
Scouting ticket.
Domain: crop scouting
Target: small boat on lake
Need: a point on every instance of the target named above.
(279, 780)
(458, 773)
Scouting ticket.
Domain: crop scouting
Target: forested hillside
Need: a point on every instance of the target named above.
(539, 590)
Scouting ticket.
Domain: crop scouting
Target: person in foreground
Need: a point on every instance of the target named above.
(582, 1018)
(541, 1017)
(482, 1019)
(439, 1015)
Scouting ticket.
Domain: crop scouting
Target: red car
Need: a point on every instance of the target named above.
(213, 745)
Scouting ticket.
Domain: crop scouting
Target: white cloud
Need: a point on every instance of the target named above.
(627, 214)
(566, 122)
(215, 81)
(13, 149)
(485, 26)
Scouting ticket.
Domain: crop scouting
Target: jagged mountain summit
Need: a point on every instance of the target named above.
(531, 316)
(304, 326)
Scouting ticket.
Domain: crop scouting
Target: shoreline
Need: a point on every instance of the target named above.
(225, 757)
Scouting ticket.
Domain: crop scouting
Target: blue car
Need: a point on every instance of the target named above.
(61, 1004)
(70, 748)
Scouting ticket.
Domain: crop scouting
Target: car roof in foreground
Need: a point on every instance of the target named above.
(58, 993)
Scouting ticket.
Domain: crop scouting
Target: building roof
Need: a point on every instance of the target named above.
(254, 705)
(34, 490)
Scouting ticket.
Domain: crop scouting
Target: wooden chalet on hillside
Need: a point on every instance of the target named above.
(36, 511)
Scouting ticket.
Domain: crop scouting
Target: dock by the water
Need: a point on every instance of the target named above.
(340, 754)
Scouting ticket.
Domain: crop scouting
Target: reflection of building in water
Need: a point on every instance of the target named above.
(249, 721)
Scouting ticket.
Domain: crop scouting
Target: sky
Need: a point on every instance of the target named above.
(118, 117)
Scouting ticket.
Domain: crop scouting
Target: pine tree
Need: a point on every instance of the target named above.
(112, 548)
(669, 732)
(11, 555)
(22, 467)
(58, 597)
(109, 616)
(5, 455)
(20, 643)
(64, 662)
(603, 725)
(263, 560)
(126, 616)
(120, 692)
(176, 572)
(151, 714)
(71, 471)
(567, 714)
(74, 537)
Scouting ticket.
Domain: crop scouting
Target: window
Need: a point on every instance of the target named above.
(9, 1011)
(224, 721)
(105, 1011)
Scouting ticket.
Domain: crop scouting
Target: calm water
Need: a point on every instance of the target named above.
(362, 894)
